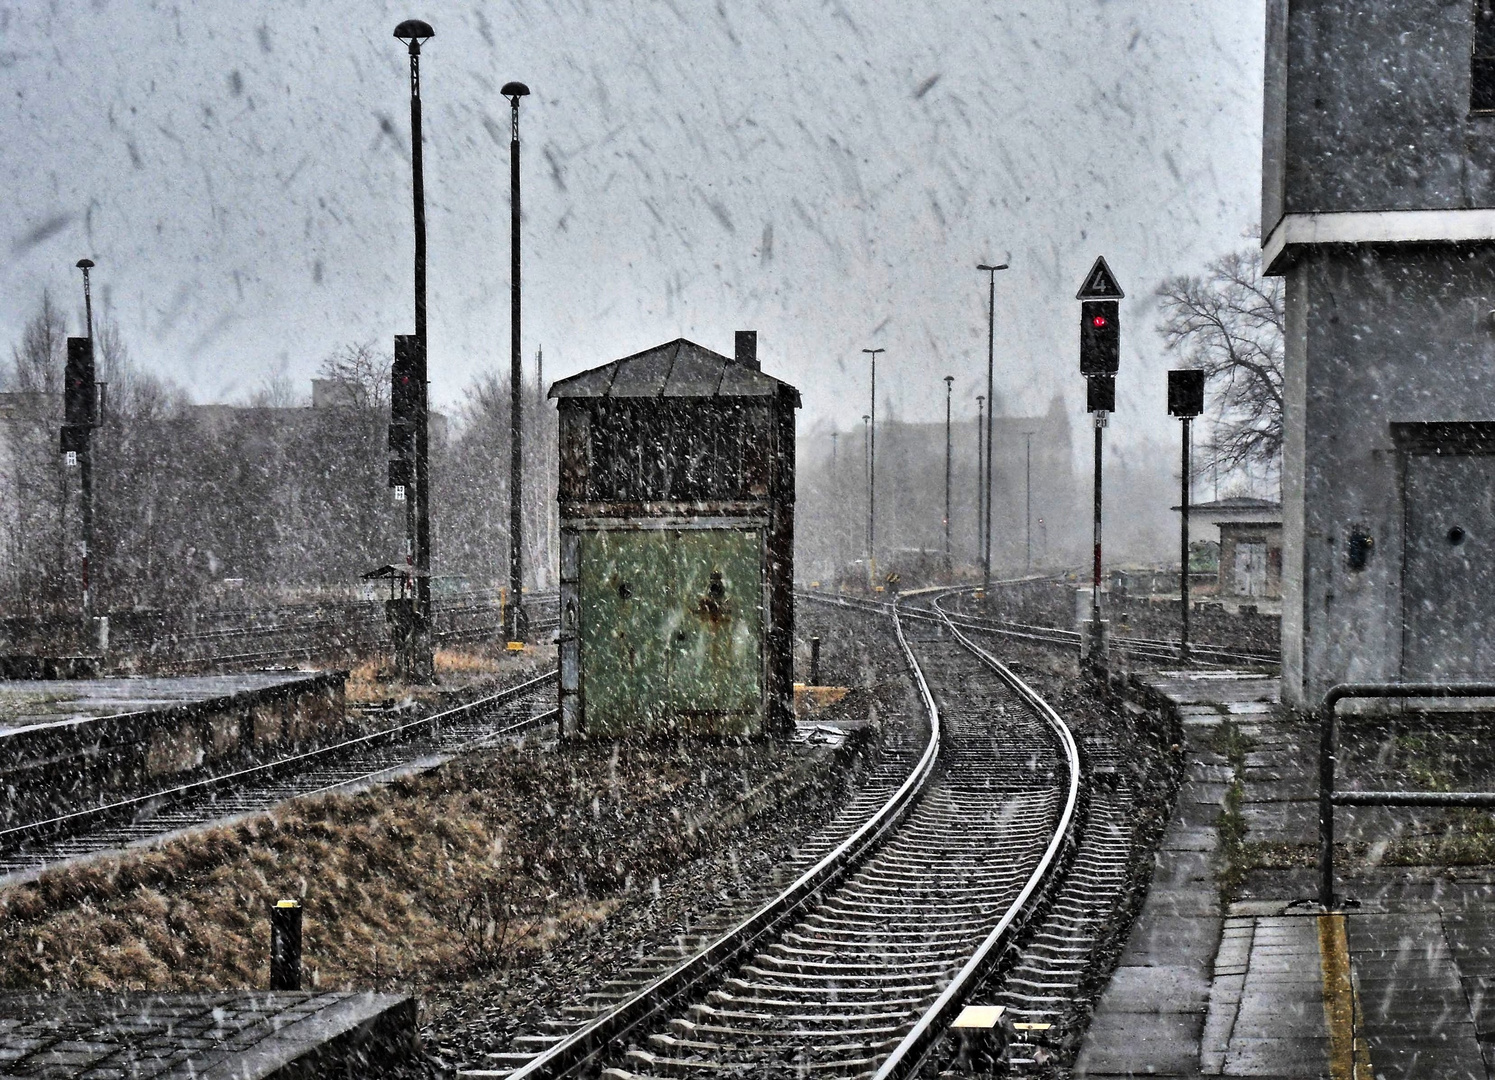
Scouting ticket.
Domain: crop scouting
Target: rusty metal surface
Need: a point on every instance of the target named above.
(671, 630)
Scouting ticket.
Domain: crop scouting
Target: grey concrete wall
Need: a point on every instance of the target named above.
(1375, 336)
(1367, 108)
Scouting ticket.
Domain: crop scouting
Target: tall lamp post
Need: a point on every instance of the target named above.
(991, 338)
(1028, 493)
(980, 474)
(872, 474)
(516, 624)
(414, 33)
(867, 470)
(949, 382)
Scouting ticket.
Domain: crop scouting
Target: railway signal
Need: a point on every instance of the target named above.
(1100, 358)
(80, 415)
(1185, 401)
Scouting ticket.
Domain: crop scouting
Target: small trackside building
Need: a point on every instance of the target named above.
(677, 544)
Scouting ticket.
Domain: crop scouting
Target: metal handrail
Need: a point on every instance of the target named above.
(1328, 745)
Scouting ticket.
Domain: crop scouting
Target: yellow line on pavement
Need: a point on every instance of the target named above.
(1349, 1056)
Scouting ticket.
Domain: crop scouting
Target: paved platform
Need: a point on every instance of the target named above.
(1394, 987)
(238, 1035)
(73, 744)
(29, 703)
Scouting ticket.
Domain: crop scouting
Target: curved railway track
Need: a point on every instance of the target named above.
(417, 745)
(1164, 649)
(860, 965)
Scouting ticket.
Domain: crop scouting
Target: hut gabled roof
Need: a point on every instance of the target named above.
(678, 368)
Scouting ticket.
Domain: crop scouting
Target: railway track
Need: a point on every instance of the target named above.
(859, 966)
(1164, 649)
(417, 745)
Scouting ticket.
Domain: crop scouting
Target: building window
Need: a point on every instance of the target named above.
(1482, 59)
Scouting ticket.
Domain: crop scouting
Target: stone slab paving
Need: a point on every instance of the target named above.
(1201, 992)
(1197, 993)
(234, 1035)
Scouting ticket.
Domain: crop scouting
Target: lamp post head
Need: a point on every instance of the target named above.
(514, 91)
(85, 264)
(949, 379)
(993, 269)
(415, 33)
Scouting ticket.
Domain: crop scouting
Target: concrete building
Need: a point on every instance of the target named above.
(911, 495)
(1378, 207)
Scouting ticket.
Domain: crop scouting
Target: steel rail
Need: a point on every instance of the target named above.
(71, 823)
(1162, 648)
(580, 1049)
(1050, 635)
(909, 1054)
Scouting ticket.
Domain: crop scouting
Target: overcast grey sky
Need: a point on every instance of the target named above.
(827, 173)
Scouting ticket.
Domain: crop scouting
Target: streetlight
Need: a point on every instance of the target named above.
(949, 382)
(980, 470)
(1028, 491)
(991, 336)
(516, 624)
(867, 470)
(872, 474)
(415, 33)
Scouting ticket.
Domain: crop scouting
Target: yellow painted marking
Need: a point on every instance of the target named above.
(515, 646)
(979, 1016)
(289, 903)
(1349, 1055)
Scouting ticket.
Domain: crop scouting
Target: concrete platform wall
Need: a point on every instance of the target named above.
(67, 765)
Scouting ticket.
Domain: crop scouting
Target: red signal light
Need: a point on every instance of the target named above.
(1098, 322)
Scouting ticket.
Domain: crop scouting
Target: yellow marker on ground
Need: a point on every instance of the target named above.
(979, 1016)
(515, 646)
(1349, 1055)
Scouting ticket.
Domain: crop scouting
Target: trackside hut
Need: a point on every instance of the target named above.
(677, 544)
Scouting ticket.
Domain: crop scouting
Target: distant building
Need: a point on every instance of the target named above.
(911, 494)
(1378, 207)
(1248, 535)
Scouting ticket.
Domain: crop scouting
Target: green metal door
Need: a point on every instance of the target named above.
(671, 630)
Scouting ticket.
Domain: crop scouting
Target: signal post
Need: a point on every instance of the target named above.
(1100, 358)
(1185, 401)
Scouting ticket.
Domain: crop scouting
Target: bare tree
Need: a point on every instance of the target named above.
(1229, 324)
(37, 362)
(364, 372)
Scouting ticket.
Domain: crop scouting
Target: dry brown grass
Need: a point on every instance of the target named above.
(483, 863)
(453, 662)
